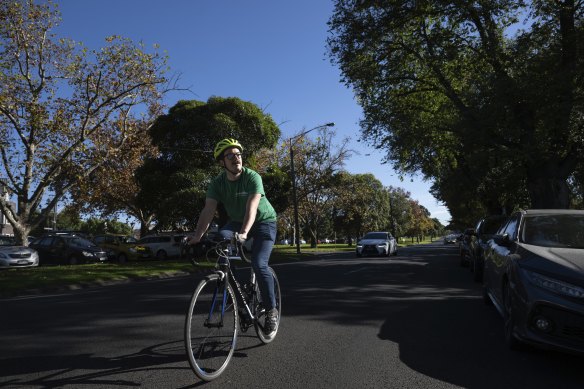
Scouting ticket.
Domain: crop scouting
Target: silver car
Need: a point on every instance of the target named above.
(12, 256)
(377, 243)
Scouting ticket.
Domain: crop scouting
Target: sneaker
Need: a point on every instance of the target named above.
(271, 323)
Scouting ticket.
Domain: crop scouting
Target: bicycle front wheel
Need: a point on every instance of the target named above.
(260, 312)
(211, 327)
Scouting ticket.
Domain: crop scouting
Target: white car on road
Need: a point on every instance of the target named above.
(377, 243)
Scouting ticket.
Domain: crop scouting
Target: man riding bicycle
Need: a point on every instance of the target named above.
(241, 192)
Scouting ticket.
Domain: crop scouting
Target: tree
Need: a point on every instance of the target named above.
(360, 205)
(174, 183)
(420, 222)
(64, 110)
(316, 163)
(399, 210)
(113, 187)
(447, 91)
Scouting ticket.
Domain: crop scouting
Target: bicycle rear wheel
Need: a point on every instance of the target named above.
(261, 313)
(211, 327)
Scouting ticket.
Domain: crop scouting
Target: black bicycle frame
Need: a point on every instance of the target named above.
(239, 294)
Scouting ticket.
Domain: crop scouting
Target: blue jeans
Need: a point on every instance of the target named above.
(264, 236)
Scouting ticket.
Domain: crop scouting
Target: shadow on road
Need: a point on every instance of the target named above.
(433, 311)
(85, 369)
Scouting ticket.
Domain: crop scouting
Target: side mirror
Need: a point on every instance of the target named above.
(502, 240)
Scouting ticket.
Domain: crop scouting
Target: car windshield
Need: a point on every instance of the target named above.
(80, 242)
(554, 231)
(129, 239)
(375, 235)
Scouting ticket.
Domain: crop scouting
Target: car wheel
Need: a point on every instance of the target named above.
(161, 254)
(122, 258)
(512, 342)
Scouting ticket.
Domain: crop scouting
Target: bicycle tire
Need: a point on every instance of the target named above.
(259, 326)
(209, 347)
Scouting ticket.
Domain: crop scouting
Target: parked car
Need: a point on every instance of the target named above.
(13, 255)
(534, 275)
(67, 248)
(163, 246)
(464, 246)
(122, 248)
(484, 231)
(376, 243)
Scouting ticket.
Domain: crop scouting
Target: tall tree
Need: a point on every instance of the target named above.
(399, 210)
(113, 188)
(361, 204)
(316, 163)
(174, 183)
(446, 90)
(64, 109)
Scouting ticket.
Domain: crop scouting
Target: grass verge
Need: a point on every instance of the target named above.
(16, 281)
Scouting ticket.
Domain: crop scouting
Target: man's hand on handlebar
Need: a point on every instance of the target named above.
(241, 237)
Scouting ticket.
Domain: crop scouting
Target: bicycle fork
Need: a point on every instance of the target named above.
(220, 295)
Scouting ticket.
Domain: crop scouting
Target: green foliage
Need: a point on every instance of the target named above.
(94, 226)
(448, 92)
(174, 184)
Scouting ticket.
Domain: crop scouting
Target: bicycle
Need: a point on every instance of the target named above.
(215, 315)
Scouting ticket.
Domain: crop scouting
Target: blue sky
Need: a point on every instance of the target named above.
(271, 53)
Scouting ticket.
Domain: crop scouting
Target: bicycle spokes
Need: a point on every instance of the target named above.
(210, 329)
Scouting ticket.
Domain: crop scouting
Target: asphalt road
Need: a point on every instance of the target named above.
(412, 321)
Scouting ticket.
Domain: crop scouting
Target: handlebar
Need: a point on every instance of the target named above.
(212, 250)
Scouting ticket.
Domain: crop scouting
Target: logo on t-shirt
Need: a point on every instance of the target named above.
(241, 194)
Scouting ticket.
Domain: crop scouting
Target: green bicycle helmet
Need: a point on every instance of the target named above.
(225, 144)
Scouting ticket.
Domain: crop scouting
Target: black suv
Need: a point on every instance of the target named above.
(67, 248)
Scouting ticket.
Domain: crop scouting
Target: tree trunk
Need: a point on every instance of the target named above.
(21, 234)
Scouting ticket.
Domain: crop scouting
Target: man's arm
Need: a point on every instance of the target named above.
(251, 209)
(205, 219)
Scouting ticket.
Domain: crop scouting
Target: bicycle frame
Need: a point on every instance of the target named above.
(228, 277)
(216, 309)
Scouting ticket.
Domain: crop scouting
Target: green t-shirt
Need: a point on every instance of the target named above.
(234, 195)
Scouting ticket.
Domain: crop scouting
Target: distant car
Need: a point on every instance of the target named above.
(484, 231)
(534, 275)
(163, 246)
(13, 255)
(450, 239)
(376, 243)
(284, 241)
(68, 249)
(121, 247)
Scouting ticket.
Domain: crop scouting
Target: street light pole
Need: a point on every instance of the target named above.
(293, 174)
